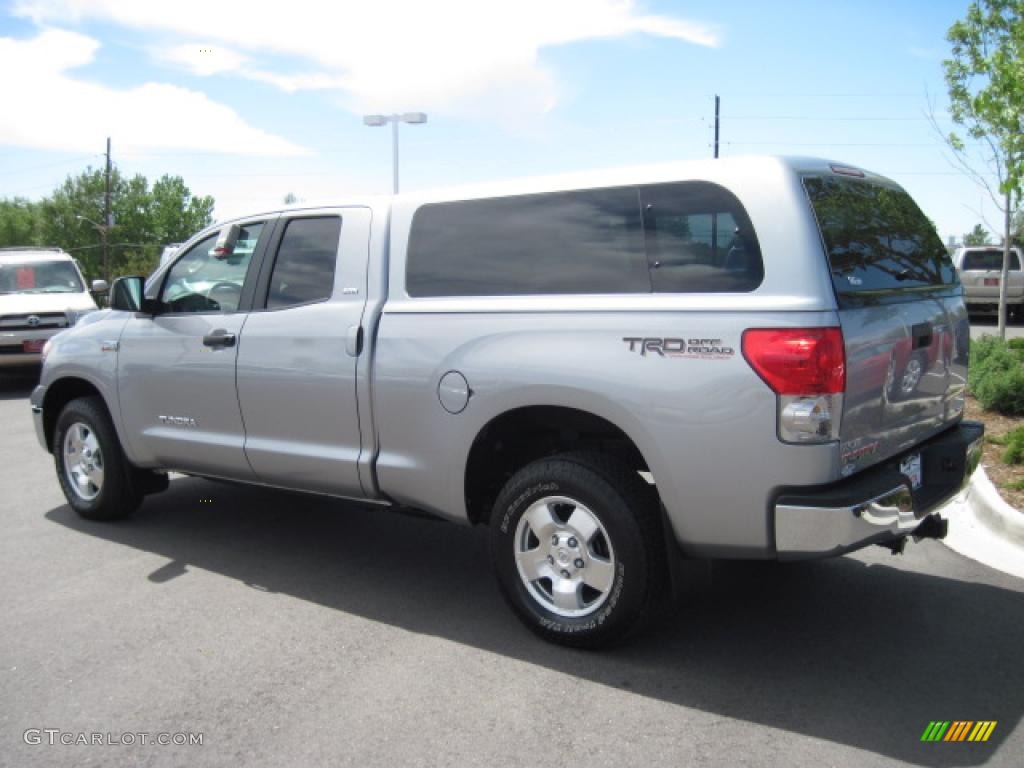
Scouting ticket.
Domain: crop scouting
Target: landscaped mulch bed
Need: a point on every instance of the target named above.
(1002, 475)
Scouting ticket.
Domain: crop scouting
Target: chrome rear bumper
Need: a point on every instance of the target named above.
(877, 506)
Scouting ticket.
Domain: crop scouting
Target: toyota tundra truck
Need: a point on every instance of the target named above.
(756, 358)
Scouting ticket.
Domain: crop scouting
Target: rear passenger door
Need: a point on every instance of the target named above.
(298, 353)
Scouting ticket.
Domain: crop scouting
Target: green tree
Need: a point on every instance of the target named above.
(985, 78)
(19, 222)
(977, 236)
(177, 214)
(144, 220)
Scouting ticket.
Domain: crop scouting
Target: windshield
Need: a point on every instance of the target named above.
(878, 241)
(39, 277)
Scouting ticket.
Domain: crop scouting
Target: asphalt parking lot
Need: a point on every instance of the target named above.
(290, 630)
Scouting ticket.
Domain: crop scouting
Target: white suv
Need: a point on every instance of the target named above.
(41, 293)
(981, 268)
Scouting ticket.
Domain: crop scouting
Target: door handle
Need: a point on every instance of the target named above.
(219, 338)
(354, 340)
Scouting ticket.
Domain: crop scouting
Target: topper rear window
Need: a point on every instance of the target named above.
(879, 243)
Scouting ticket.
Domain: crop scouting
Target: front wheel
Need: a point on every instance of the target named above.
(96, 477)
(576, 544)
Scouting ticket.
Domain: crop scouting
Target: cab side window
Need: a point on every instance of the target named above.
(203, 280)
(304, 267)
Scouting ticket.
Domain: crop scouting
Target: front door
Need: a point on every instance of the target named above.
(176, 369)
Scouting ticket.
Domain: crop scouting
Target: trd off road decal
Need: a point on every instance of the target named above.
(704, 349)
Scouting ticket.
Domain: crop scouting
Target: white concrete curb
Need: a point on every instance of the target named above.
(985, 528)
(992, 510)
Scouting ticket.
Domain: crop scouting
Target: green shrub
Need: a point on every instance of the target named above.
(996, 376)
(1002, 391)
(983, 348)
(1014, 453)
(1017, 346)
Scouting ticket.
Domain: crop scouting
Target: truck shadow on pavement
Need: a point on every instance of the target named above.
(857, 654)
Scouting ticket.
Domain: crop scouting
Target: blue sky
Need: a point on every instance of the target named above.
(250, 101)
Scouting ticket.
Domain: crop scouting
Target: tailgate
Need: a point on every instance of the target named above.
(906, 373)
(902, 314)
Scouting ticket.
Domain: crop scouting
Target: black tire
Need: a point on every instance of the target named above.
(121, 488)
(627, 553)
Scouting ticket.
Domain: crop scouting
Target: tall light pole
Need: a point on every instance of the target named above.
(377, 121)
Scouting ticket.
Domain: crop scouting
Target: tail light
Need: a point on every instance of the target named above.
(806, 368)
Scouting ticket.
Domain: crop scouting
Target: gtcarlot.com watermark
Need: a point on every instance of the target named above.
(54, 736)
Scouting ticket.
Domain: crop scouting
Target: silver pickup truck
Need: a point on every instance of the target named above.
(743, 358)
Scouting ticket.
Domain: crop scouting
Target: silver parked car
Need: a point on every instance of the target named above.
(981, 269)
(745, 358)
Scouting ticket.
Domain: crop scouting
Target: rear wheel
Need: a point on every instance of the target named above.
(576, 544)
(98, 481)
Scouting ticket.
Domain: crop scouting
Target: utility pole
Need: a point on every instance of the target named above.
(717, 102)
(107, 223)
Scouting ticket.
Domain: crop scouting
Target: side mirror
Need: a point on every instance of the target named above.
(126, 293)
(226, 241)
(100, 286)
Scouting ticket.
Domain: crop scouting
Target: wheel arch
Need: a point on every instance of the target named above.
(517, 436)
(61, 392)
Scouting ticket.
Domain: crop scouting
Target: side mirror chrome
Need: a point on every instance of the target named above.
(100, 286)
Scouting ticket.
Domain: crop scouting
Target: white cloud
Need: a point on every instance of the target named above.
(468, 57)
(205, 59)
(47, 108)
(202, 58)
